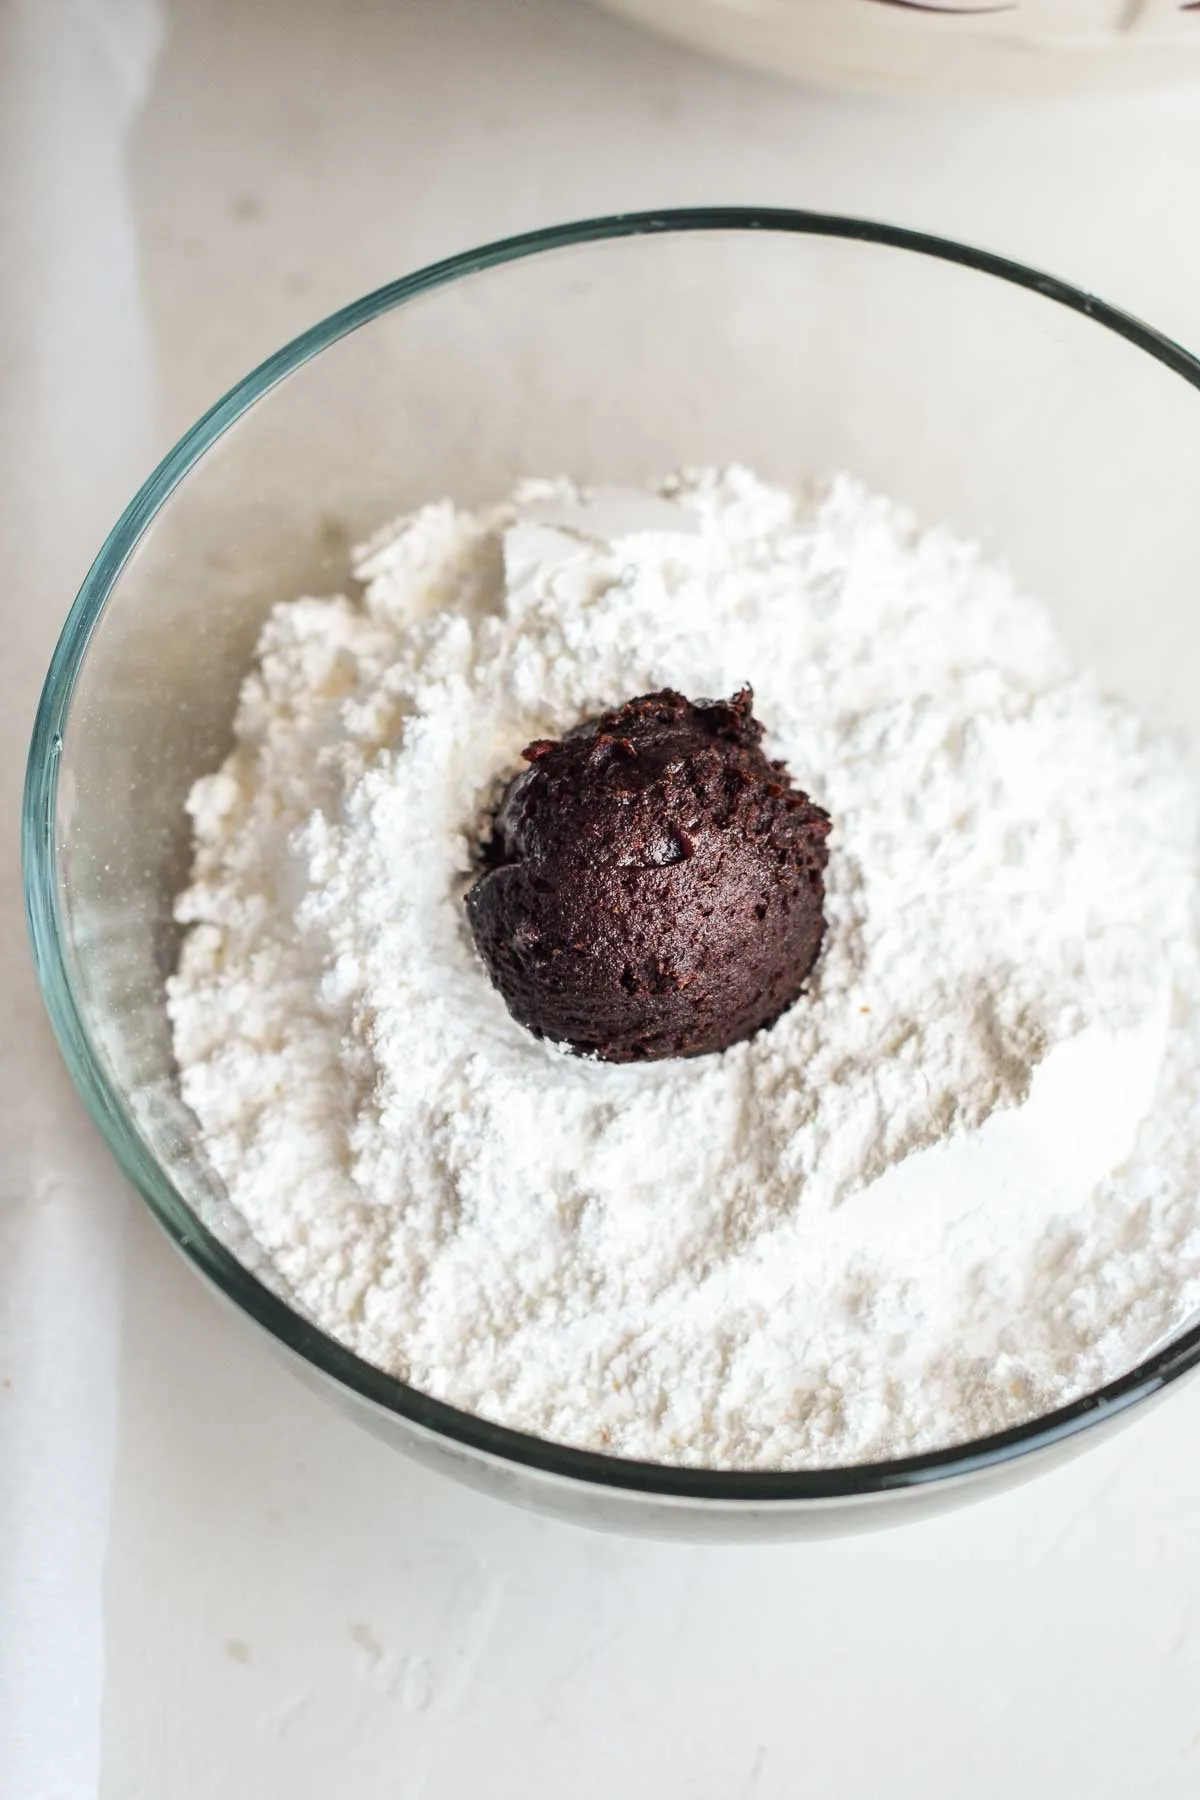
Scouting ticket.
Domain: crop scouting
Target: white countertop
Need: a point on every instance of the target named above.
(287, 1608)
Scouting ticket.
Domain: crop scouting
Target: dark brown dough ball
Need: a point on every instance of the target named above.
(653, 886)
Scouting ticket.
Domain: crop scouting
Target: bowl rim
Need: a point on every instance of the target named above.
(107, 1107)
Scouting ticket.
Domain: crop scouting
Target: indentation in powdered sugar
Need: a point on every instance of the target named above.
(757, 1259)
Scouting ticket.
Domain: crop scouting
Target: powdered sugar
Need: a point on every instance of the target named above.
(923, 1205)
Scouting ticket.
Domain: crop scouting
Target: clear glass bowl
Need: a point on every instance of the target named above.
(1057, 430)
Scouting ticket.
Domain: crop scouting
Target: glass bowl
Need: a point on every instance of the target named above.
(1057, 430)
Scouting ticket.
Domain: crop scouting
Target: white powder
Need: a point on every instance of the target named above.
(955, 1185)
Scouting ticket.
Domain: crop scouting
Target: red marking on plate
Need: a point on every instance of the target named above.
(966, 12)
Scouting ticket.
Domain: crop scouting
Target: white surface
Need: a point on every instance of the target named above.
(75, 366)
(291, 1610)
(941, 46)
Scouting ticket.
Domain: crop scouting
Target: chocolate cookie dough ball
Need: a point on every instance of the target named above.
(654, 885)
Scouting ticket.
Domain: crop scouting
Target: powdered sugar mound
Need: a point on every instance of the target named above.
(923, 1205)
